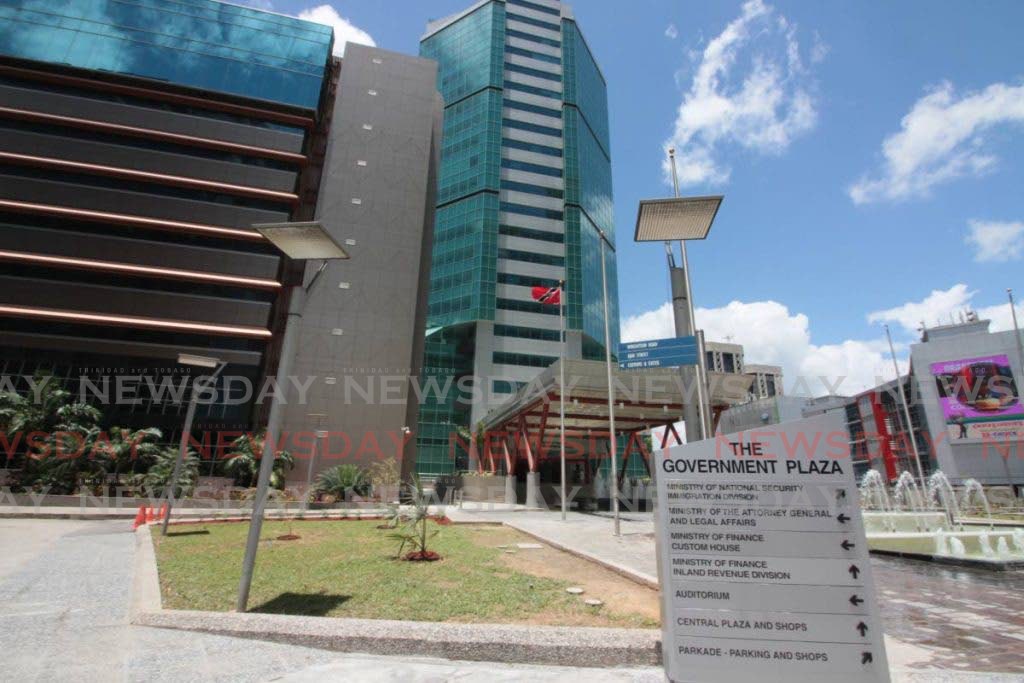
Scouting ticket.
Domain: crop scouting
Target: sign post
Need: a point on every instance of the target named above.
(762, 559)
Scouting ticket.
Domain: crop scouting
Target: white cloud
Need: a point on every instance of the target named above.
(934, 309)
(771, 334)
(940, 139)
(995, 240)
(750, 88)
(671, 32)
(344, 30)
(1001, 317)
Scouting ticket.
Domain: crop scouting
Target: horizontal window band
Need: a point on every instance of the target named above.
(511, 16)
(150, 134)
(542, 235)
(520, 332)
(531, 127)
(147, 177)
(530, 188)
(131, 220)
(132, 321)
(543, 92)
(536, 7)
(523, 209)
(530, 54)
(158, 95)
(526, 281)
(531, 147)
(532, 108)
(526, 166)
(536, 73)
(513, 33)
(132, 269)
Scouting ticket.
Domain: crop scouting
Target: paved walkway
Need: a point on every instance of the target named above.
(936, 617)
(65, 588)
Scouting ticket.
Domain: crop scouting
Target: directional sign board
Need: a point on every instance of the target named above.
(762, 559)
(658, 353)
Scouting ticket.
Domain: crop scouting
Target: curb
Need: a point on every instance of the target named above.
(510, 643)
(146, 583)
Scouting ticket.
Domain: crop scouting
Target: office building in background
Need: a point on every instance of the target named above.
(524, 193)
(132, 172)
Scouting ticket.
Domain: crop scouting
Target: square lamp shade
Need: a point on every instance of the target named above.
(302, 240)
(685, 218)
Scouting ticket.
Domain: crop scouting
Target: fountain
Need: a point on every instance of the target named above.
(973, 489)
(940, 492)
(873, 487)
(932, 526)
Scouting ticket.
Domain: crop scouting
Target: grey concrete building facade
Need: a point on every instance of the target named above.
(363, 327)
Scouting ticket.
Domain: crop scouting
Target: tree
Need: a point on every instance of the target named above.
(154, 481)
(243, 462)
(128, 451)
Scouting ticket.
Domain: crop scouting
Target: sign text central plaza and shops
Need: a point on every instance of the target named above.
(762, 559)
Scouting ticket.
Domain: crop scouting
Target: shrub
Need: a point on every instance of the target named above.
(338, 481)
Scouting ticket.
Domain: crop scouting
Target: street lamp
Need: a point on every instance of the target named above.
(217, 366)
(299, 241)
(682, 218)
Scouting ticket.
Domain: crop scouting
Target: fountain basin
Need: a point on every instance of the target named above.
(910, 522)
(922, 546)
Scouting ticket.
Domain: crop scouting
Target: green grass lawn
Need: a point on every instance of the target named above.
(348, 569)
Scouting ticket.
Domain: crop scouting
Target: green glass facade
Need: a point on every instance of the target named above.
(525, 137)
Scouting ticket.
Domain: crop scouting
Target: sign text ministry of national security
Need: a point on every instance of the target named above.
(762, 559)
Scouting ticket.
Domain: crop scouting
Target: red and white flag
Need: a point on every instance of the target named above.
(547, 295)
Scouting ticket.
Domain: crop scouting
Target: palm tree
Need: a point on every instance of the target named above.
(243, 462)
(137, 449)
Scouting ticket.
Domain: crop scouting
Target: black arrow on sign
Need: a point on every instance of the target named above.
(841, 493)
(847, 545)
(863, 628)
(854, 600)
(854, 571)
(843, 519)
(866, 657)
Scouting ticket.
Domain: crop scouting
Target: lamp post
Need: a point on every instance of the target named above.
(200, 362)
(298, 241)
(682, 219)
(612, 446)
(906, 411)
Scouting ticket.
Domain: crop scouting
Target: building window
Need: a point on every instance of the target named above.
(531, 147)
(532, 127)
(512, 33)
(533, 22)
(523, 359)
(530, 54)
(531, 168)
(524, 210)
(531, 189)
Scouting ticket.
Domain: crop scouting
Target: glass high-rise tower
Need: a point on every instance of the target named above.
(524, 194)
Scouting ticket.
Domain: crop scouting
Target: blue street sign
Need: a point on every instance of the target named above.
(658, 353)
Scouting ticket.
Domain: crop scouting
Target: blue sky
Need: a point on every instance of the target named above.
(870, 154)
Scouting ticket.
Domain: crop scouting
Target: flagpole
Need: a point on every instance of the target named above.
(561, 390)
